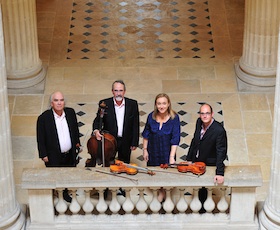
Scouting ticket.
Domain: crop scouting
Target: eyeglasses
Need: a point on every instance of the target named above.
(207, 114)
(115, 90)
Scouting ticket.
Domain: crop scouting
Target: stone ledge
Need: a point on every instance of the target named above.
(51, 178)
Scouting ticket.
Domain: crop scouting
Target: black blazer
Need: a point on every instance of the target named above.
(212, 147)
(130, 135)
(47, 137)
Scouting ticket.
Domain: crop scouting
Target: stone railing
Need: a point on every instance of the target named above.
(230, 206)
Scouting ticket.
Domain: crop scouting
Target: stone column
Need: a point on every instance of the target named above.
(25, 72)
(270, 215)
(256, 69)
(11, 216)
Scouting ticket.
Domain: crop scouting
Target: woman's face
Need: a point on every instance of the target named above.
(162, 105)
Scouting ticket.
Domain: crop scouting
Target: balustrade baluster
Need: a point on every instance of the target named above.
(88, 205)
(155, 205)
(209, 204)
(168, 204)
(128, 205)
(223, 204)
(114, 205)
(195, 204)
(182, 205)
(61, 205)
(141, 204)
(101, 206)
(74, 207)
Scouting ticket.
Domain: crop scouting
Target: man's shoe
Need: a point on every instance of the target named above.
(66, 196)
(121, 193)
(106, 193)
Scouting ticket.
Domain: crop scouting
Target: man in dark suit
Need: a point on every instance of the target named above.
(209, 143)
(58, 135)
(120, 119)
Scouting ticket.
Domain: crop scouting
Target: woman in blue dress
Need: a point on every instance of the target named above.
(161, 134)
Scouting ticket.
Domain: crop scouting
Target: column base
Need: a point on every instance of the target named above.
(16, 220)
(268, 219)
(252, 83)
(37, 88)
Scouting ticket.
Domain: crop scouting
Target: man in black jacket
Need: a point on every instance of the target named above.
(58, 135)
(209, 143)
(121, 119)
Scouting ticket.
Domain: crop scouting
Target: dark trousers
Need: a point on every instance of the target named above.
(123, 154)
(202, 195)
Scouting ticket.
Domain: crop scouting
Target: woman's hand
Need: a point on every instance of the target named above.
(145, 155)
(171, 160)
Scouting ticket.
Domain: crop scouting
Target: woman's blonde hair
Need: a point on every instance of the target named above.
(170, 111)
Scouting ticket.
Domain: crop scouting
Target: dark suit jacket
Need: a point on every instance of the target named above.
(47, 137)
(212, 147)
(130, 135)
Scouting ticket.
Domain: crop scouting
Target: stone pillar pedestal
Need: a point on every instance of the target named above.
(256, 69)
(11, 216)
(25, 72)
(270, 215)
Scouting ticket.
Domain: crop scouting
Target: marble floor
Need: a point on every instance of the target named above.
(184, 48)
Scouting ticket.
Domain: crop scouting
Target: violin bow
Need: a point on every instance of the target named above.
(114, 174)
(178, 173)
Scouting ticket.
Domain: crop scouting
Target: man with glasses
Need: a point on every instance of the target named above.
(120, 119)
(209, 143)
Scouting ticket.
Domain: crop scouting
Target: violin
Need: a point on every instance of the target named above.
(121, 168)
(130, 169)
(197, 168)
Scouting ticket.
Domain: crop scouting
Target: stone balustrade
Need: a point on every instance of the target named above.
(228, 206)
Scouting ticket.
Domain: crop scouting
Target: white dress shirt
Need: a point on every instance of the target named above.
(63, 132)
(120, 109)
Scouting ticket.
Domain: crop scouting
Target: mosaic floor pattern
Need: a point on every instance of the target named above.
(123, 29)
(187, 112)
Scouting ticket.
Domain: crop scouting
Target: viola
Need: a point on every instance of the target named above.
(197, 168)
(130, 169)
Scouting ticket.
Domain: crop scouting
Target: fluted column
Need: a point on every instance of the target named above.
(10, 212)
(270, 215)
(25, 72)
(256, 69)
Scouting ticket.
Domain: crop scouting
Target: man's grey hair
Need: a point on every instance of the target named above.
(51, 98)
(119, 81)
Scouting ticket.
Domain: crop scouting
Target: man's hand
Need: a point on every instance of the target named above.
(97, 134)
(45, 159)
(219, 179)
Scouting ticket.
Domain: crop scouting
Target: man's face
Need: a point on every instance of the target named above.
(58, 103)
(118, 91)
(205, 114)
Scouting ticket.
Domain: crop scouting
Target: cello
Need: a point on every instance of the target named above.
(103, 151)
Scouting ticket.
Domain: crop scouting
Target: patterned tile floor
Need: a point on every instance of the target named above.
(122, 29)
(187, 112)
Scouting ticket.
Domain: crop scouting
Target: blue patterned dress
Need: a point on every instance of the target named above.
(161, 140)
